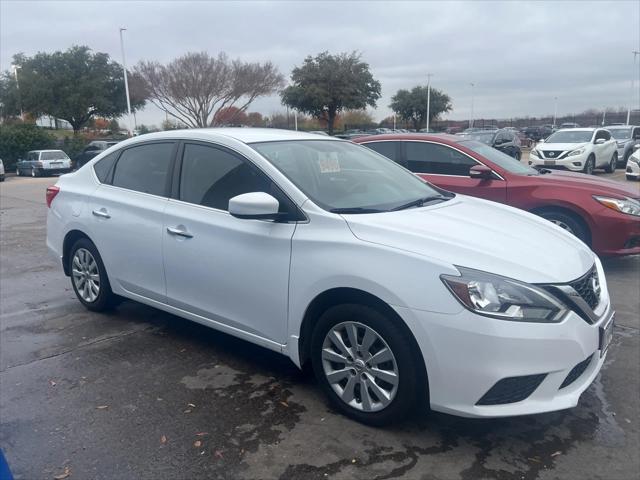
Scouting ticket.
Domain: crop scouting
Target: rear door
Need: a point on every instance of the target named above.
(448, 168)
(126, 216)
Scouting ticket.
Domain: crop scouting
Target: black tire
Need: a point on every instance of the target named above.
(613, 163)
(35, 172)
(412, 383)
(629, 177)
(625, 159)
(589, 165)
(568, 222)
(105, 299)
(1, 178)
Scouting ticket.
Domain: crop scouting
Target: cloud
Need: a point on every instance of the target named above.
(519, 55)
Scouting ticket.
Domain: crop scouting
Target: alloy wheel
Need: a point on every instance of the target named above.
(360, 366)
(86, 277)
(563, 225)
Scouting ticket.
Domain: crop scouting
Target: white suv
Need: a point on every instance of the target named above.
(577, 149)
(397, 292)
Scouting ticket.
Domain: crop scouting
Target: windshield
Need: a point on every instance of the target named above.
(503, 160)
(484, 137)
(620, 133)
(570, 136)
(344, 176)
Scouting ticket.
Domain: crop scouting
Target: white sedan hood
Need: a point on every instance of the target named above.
(483, 235)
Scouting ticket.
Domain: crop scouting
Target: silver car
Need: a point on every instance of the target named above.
(626, 137)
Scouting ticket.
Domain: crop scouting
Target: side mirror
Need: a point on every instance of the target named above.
(480, 172)
(599, 141)
(254, 206)
(636, 146)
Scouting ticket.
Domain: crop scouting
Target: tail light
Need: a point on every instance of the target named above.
(52, 191)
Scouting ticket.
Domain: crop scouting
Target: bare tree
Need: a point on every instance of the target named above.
(194, 87)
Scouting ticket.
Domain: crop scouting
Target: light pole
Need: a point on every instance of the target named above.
(295, 119)
(555, 111)
(394, 121)
(126, 82)
(15, 69)
(471, 119)
(633, 78)
(428, 99)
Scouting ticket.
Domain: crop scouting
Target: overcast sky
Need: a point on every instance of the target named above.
(519, 55)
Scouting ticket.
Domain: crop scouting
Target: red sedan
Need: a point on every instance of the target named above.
(604, 214)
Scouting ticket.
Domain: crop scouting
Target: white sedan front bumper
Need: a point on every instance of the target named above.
(632, 169)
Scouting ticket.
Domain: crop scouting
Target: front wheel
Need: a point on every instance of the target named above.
(589, 166)
(89, 277)
(613, 163)
(568, 223)
(365, 364)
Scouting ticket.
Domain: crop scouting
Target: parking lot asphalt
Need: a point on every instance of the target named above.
(141, 394)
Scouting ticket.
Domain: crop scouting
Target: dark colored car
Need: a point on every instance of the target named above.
(603, 213)
(92, 150)
(507, 141)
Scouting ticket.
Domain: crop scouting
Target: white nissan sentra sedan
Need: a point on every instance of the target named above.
(400, 294)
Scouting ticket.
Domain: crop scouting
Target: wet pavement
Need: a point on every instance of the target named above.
(141, 394)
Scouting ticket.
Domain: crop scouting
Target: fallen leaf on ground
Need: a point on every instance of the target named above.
(191, 405)
(63, 475)
(197, 444)
(102, 407)
(201, 434)
(52, 383)
(285, 404)
(218, 454)
(555, 454)
(187, 411)
(163, 439)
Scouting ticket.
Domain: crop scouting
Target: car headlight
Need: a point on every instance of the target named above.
(622, 205)
(504, 298)
(578, 151)
(535, 153)
(635, 159)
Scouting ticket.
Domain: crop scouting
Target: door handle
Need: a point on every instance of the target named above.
(101, 213)
(179, 232)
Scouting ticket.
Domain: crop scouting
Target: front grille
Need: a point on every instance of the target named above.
(588, 287)
(552, 153)
(511, 390)
(576, 371)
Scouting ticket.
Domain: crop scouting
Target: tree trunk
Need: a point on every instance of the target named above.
(331, 117)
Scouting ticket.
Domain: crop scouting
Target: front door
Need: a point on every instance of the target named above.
(220, 267)
(448, 168)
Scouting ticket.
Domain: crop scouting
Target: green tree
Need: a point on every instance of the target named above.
(16, 140)
(412, 105)
(74, 85)
(327, 84)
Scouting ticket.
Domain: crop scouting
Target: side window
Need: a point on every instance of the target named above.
(103, 167)
(425, 157)
(388, 149)
(211, 176)
(33, 156)
(606, 135)
(144, 168)
(636, 133)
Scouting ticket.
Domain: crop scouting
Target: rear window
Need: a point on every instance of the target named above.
(53, 156)
(144, 168)
(104, 165)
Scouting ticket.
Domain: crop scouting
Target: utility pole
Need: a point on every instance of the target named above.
(471, 119)
(295, 119)
(633, 78)
(394, 121)
(555, 111)
(15, 69)
(428, 99)
(126, 82)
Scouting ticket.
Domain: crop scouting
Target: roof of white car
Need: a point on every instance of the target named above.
(45, 151)
(245, 135)
(583, 129)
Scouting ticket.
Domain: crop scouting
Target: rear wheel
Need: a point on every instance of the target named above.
(613, 163)
(568, 223)
(89, 277)
(589, 165)
(365, 364)
(34, 172)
